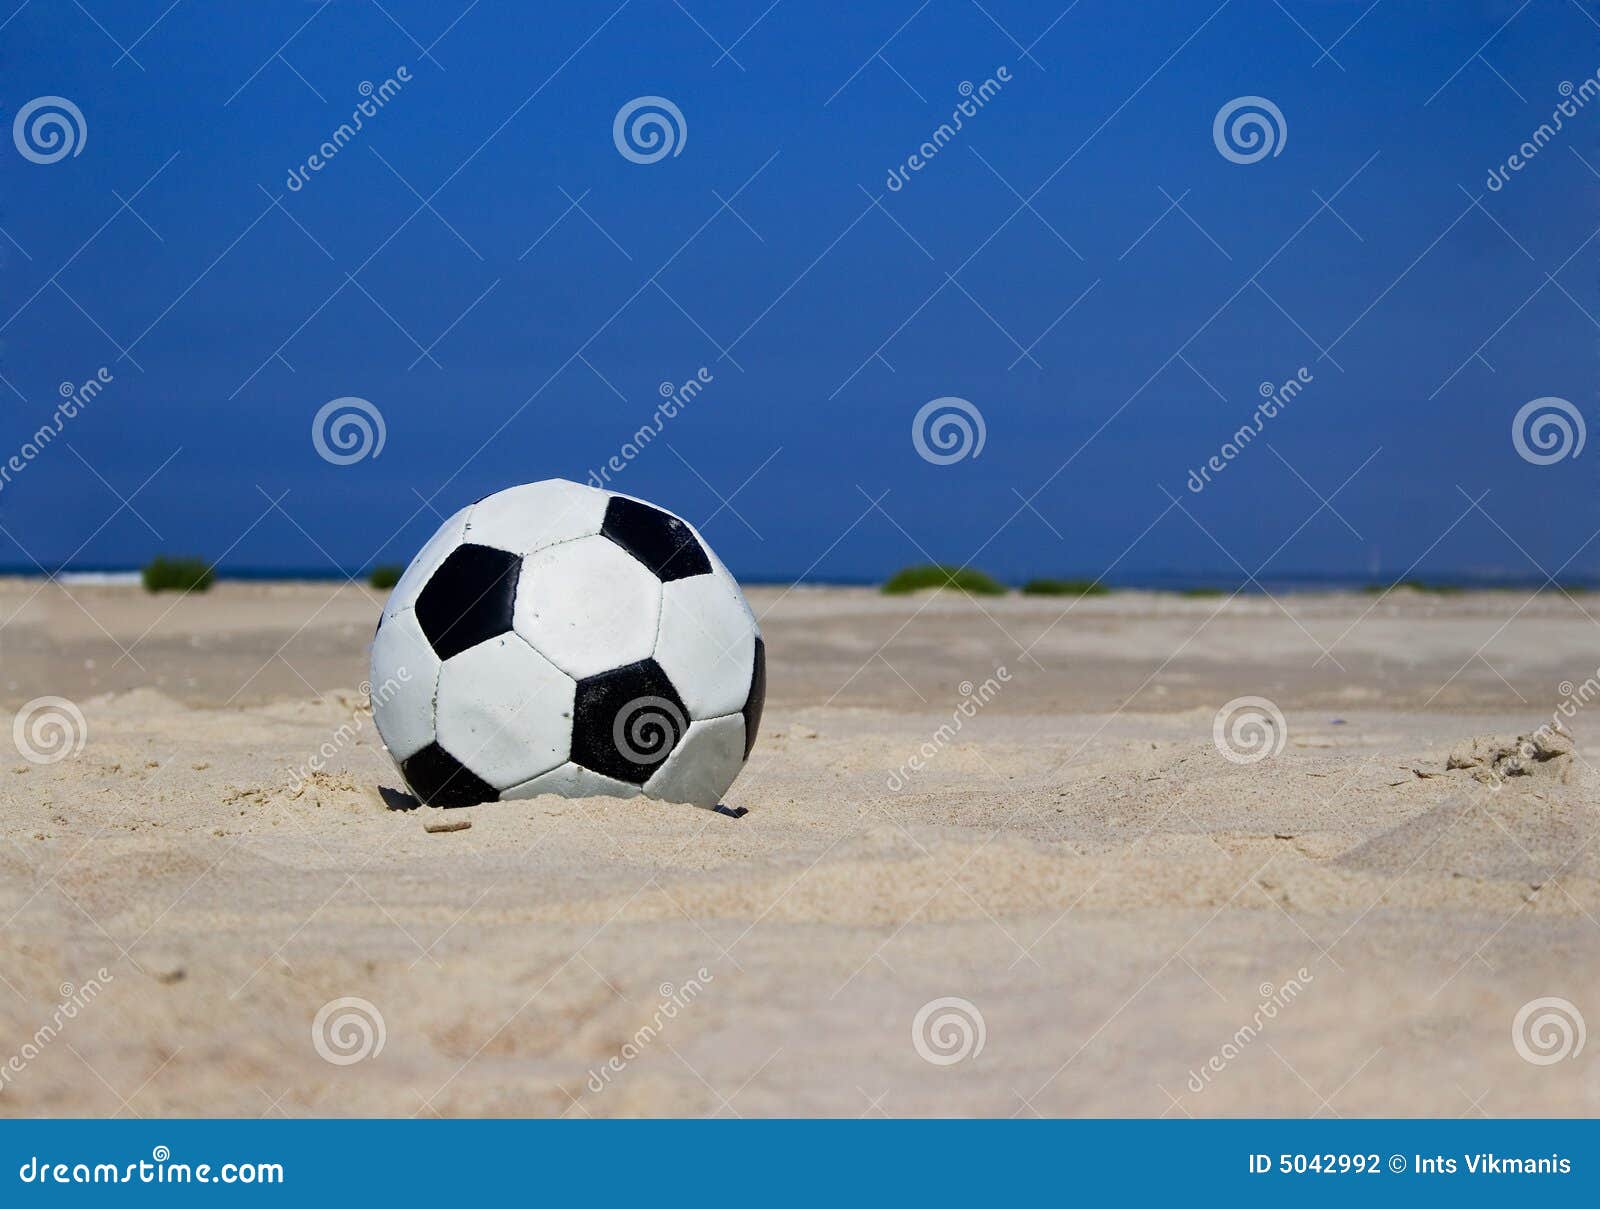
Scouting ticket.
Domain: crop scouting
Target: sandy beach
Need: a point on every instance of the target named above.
(1137, 924)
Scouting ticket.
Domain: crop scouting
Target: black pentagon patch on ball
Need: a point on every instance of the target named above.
(439, 779)
(626, 722)
(469, 598)
(657, 539)
(757, 698)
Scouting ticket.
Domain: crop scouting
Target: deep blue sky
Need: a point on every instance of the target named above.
(514, 105)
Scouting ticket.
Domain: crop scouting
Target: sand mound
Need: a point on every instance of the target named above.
(1492, 759)
(1510, 835)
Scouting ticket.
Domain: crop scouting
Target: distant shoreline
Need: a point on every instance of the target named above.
(1146, 582)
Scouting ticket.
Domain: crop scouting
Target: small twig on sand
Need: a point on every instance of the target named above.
(434, 826)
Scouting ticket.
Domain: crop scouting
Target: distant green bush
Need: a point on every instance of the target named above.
(916, 579)
(385, 577)
(1201, 593)
(1415, 585)
(1064, 587)
(166, 574)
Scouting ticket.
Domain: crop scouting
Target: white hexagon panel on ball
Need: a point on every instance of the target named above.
(556, 638)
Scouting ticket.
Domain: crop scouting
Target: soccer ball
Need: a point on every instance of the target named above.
(554, 638)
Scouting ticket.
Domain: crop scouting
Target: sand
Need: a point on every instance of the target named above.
(1143, 927)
